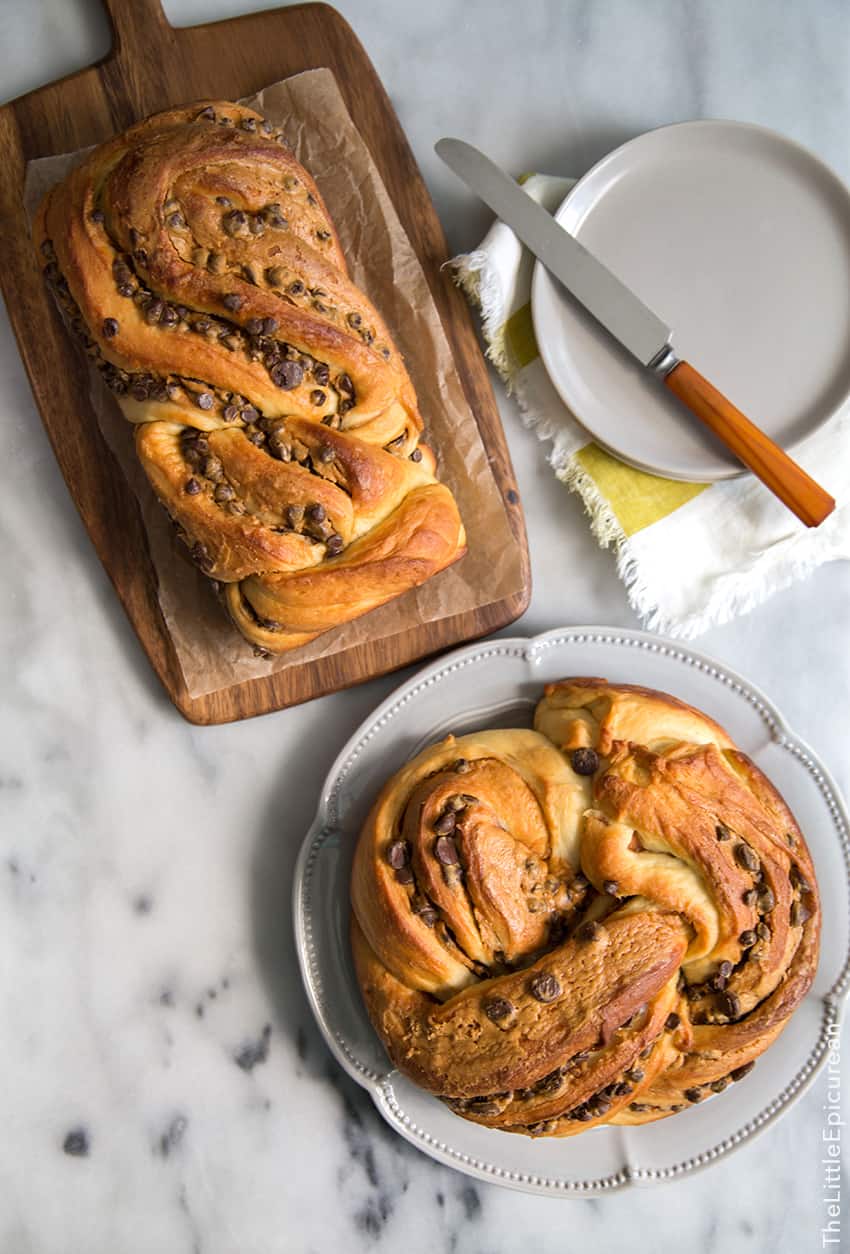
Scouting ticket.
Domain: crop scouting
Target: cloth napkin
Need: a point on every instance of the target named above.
(690, 555)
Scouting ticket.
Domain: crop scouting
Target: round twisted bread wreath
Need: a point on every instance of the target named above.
(599, 921)
(274, 416)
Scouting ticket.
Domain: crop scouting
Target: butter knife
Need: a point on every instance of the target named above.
(624, 316)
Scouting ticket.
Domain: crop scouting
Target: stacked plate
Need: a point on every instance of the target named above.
(740, 240)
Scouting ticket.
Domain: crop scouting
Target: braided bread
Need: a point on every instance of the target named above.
(274, 417)
(602, 920)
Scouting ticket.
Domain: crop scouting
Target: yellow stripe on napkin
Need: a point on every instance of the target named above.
(636, 497)
(518, 338)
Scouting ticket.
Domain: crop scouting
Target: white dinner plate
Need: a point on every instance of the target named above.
(497, 684)
(740, 240)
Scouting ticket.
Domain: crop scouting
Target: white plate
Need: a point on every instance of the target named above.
(497, 684)
(740, 240)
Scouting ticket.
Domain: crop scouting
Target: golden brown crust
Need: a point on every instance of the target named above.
(194, 257)
(602, 920)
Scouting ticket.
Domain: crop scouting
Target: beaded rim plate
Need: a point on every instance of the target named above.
(497, 684)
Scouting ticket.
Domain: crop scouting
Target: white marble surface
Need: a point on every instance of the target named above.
(145, 865)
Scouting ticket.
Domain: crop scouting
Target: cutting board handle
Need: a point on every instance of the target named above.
(135, 23)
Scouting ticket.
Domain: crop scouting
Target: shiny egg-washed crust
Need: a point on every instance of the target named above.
(274, 416)
(603, 920)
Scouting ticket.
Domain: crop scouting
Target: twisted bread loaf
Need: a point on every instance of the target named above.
(598, 921)
(274, 416)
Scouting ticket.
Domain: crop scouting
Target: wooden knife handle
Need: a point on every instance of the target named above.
(766, 460)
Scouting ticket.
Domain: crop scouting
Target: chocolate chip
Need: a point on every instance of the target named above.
(110, 327)
(192, 487)
(205, 400)
(747, 938)
(287, 374)
(250, 414)
(280, 447)
(232, 301)
(201, 556)
(126, 289)
(729, 1005)
(445, 851)
(398, 854)
(318, 397)
(584, 761)
(445, 823)
(725, 970)
(746, 857)
(334, 544)
(763, 932)
(497, 1008)
(322, 374)
(207, 114)
(799, 914)
(740, 1072)
(416, 455)
(545, 987)
(296, 288)
(610, 887)
(404, 875)
(323, 235)
(326, 454)
(483, 1106)
(223, 492)
(224, 201)
(231, 413)
(722, 832)
(693, 1095)
(254, 326)
(766, 900)
(750, 897)
(169, 317)
(672, 1021)
(97, 215)
(153, 311)
(589, 931)
(176, 221)
(635, 1075)
(799, 880)
(717, 1086)
(316, 513)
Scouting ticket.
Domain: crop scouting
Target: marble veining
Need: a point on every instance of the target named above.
(163, 1086)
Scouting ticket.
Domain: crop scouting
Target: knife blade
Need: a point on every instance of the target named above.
(624, 316)
(610, 302)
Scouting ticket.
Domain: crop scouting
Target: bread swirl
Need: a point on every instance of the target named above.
(603, 920)
(195, 260)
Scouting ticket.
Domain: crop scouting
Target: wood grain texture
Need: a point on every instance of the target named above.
(152, 66)
(777, 471)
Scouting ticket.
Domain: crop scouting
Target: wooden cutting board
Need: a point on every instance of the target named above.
(152, 66)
